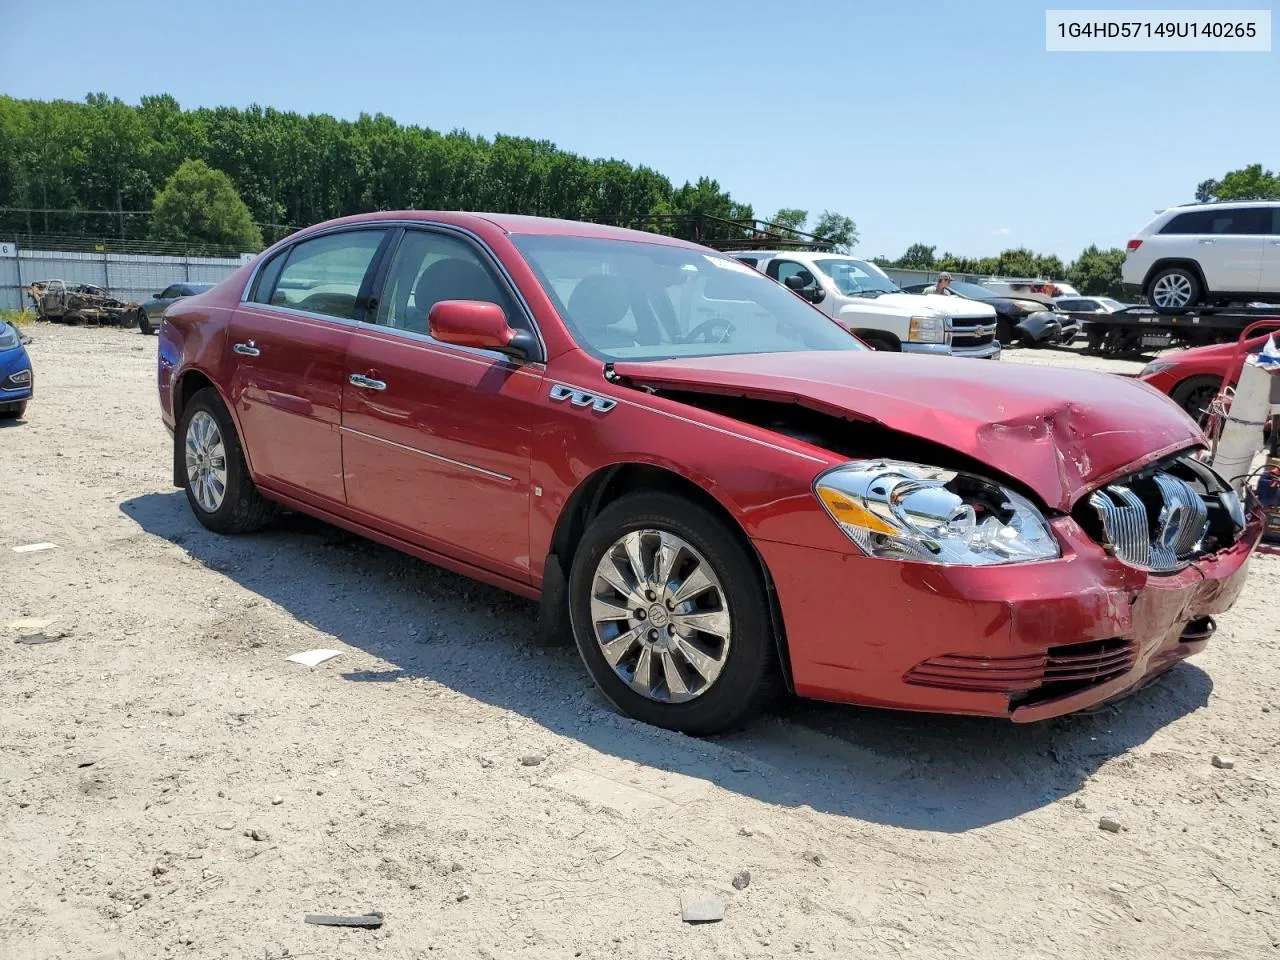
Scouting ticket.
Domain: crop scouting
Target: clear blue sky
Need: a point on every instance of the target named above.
(945, 123)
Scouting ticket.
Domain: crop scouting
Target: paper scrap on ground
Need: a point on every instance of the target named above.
(30, 624)
(34, 547)
(311, 658)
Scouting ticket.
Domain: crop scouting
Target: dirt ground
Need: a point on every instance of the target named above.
(475, 790)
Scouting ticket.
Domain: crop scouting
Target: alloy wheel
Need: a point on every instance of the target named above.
(659, 613)
(1172, 290)
(206, 461)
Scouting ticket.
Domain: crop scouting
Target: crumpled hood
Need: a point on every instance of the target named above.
(1059, 432)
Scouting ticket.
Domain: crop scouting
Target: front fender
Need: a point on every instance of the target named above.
(1039, 327)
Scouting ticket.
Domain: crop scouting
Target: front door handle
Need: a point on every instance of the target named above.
(1204, 241)
(246, 349)
(358, 380)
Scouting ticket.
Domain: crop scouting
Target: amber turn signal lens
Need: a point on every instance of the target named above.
(855, 515)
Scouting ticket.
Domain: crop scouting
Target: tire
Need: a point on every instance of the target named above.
(746, 656)
(1004, 331)
(144, 323)
(15, 412)
(1178, 287)
(881, 344)
(1194, 394)
(240, 508)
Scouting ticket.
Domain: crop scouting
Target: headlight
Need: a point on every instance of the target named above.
(907, 511)
(1156, 367)
(928, 330)
(1029, 306)
(20, 379)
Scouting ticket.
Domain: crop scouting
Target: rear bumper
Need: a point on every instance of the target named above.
(1024, 642)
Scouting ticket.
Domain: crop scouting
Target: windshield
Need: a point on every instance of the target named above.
(855, 277)
(629, 300)
(972, 291)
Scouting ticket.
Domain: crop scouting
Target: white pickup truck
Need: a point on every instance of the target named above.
(860, 297)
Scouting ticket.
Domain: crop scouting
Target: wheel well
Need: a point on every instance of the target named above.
(612, 483)
(881, 335)
(191, 383)
(1175, 262)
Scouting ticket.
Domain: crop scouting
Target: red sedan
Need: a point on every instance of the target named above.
(705, 481)
(1192, 378)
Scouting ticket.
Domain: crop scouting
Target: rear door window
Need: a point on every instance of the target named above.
(1247, 221)
(322, 275)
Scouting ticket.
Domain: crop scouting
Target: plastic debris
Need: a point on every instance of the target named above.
(367, 921)
(35, 547)
(312, 658)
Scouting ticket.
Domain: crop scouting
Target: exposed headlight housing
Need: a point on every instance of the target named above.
(909, 511)
(928, 330)
(1030, 306)
(1153, 368)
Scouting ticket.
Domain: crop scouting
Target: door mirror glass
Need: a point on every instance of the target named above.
(477, 323)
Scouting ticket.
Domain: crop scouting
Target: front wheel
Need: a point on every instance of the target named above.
(14, 412)
(1174, 289)
(219, 489)
(670, 615)
(144, 323)
(1194, 396)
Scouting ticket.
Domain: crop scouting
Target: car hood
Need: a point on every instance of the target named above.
(912, 304)
(1060, 433)
(1216, 351)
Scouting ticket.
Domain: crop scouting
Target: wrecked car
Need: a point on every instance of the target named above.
(713, 488)
(60, 302)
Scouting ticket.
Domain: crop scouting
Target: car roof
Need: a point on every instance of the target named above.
(513, 223)
(1220, 205)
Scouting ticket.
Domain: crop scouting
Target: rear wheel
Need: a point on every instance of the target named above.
(670, 616)
(1174, 289)
(1194, 396)
(219, 489)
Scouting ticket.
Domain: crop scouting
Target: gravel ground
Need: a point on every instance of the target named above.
(172, 787)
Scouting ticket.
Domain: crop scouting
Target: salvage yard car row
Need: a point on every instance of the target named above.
(710, 486)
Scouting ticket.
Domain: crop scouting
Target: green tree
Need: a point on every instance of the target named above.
(1097, 272)
(918, 256)
(199, 206)
(789, 219)
(839, 229)
(1247, 183)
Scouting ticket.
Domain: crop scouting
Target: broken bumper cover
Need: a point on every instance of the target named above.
(1021, 641)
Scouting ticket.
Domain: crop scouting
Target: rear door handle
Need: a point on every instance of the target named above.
(358, 380)
(1204, 241)
(246, 349)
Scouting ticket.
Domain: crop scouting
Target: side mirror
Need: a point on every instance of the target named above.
(481, 324)
(817, 294)
(794, 282)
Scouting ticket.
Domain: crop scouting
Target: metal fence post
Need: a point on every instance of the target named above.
(17, 265)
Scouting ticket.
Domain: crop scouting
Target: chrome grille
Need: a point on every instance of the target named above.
(1168, 544)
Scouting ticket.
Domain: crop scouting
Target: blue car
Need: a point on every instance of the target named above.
(17, 382)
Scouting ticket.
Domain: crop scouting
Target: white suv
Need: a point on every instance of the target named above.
(861, 298)
(1206, 253)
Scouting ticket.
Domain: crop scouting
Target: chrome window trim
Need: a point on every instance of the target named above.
(432, 456)
(435, 225)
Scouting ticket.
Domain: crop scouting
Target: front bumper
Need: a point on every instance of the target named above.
(1022, 641)
(928, 349)
(988, 351)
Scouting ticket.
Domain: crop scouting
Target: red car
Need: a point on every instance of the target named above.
(1192, 378)
(707, 482)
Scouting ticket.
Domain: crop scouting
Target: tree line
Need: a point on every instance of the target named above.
(1095, 271)
(60, 159)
